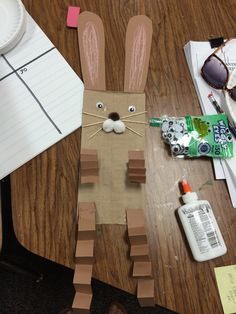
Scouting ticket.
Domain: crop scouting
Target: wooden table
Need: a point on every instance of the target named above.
(44, 191)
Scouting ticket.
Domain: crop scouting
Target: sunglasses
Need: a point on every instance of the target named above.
(215, 72)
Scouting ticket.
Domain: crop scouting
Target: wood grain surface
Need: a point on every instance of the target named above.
(44, 191)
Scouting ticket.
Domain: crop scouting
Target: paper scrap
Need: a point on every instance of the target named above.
(226, 281)
(72, 16)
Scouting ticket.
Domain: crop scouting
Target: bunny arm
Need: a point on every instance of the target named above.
(136, 166)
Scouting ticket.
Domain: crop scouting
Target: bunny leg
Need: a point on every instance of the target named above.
(84, 257)
(139, 254)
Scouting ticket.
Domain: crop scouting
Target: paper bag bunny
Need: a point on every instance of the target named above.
(113, 123)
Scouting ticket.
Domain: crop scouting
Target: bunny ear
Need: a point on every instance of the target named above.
(92, 50)
(137, 53)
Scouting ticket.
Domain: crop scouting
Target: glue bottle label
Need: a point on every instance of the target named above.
(202, 231)
(202, 226)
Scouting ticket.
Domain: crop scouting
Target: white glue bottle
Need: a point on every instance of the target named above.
(200, 226)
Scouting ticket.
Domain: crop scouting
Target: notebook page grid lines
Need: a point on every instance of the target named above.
(40, 99)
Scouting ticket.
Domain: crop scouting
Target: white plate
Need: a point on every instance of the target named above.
(12, 24)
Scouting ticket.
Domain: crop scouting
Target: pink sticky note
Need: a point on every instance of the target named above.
(72, 16)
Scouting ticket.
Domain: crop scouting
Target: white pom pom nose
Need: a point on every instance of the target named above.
(119, 127)
(108, 125)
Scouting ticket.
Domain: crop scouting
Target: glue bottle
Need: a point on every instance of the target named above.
(200, 226)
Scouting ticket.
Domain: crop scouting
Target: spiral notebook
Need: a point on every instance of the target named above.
(40, 99)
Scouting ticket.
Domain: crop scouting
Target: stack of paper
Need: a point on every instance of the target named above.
(196, 53)
(41, 99)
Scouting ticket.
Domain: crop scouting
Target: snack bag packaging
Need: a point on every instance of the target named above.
(196, 136)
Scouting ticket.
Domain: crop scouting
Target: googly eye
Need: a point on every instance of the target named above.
(177, 149)
(132, 109)
(186, 149)
(99, 105)
(165, 126)
(204, 148)
(229, 138)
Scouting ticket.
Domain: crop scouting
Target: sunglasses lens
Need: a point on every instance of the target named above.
(232, 93)
(215, 73)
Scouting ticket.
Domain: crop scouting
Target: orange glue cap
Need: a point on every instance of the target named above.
(188, 196)
(186, 187)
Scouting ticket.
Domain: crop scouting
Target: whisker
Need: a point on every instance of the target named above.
(91, 124)
(134, 114)
(91, 136)
(94, 115)
(132, 130)
(133, 121)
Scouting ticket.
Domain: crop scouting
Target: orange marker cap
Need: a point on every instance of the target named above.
(186, 187)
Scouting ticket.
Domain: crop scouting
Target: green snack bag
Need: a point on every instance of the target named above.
(196, 136)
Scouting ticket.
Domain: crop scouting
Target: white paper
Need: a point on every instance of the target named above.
(41, 99)
(196, 53)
